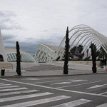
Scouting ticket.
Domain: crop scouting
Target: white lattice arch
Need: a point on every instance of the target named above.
(81, 34)
(45, 54)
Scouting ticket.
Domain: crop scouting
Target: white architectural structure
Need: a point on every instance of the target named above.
(46, 53)
(2, 49)
(84, 35)
(78, 35)
(25, 57)
(9, 54)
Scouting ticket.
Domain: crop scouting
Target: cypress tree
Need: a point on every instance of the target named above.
(93, 53)
(18, 59)
(66, 53)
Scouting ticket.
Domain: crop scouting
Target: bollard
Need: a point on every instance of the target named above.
(2, 72)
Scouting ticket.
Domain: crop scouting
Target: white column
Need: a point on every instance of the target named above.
(2, 48)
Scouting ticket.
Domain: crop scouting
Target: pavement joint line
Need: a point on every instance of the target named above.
(58, 89)
(74, 103)
(39, 101)
(79, 84)
(45, 81)
(96, 86)
(13, 89)
(18, 92)
(12, 86)
(19, 97)
(54, 80)
(103, 93)
(5, 85)
(69, 81)
(102, 105)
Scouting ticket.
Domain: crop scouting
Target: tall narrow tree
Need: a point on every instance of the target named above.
(87, 52)
(93, 53)
(18, 59)
(66, 53)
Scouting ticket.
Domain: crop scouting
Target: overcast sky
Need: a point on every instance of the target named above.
(36, 21)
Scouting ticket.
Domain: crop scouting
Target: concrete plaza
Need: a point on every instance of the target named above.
(54, 69)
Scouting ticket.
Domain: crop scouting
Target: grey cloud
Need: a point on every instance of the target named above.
(28, 47)
(9, 40)
(6, 20)
(30, 44)
(8, 37)
(7, 13)
(54, 39)
(9, 44)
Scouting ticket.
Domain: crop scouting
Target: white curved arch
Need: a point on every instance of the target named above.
(80, 34)
(45, 54)
(84, 30)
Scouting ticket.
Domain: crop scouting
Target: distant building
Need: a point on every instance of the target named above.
(9, 54)
(46, 53)
(25, 57)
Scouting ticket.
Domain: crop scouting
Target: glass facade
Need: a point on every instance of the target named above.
(25, 57)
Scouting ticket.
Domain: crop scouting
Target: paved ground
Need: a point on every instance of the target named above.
(44, 85)
(54, 69)
(65, 91)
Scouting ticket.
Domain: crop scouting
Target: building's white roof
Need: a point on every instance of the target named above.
(11, 55)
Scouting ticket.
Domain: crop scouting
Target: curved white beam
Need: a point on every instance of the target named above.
(81, 32)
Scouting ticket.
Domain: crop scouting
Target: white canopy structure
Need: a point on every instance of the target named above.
(84, 35)
(78, 35)
(46, 53)
(25, 57)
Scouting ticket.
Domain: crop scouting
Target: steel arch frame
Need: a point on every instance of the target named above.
(84, 30)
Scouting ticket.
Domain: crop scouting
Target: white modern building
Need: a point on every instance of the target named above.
(27, 60)
(78, 35)
(9, 55)
(25, 57)
(46, 53)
